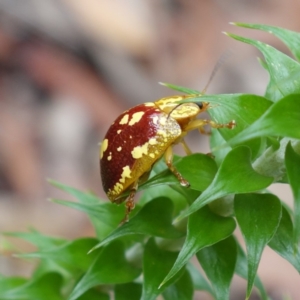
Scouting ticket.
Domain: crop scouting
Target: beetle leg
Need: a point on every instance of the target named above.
(169, 159)
(199, 124)
(186, 147)
(129, 202)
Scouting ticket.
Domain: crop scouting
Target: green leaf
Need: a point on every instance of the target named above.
(241, 269)
(243, 108)
(204, 229)
(156, 264)
(235, 175)
(282, 241)
(180, 88)
(290, 38)
(216, 140)
(198, 169)
(182, 289)
(9, 283)
(94, 295)
(218, 262)
(128, 291)
(109, 267)
(71, 255)
(154, 219)
(292, 162)
(39, 240)
(284, 71)
(271, 161)
(84, 198)
(199, 281)
(108, 215)
(274, 122)
(36, 289)
(257, 229)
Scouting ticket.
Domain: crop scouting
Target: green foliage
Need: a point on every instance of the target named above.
(150, 255)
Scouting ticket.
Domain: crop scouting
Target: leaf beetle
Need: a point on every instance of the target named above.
(142, 135)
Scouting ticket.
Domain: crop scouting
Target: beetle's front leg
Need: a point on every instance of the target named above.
(169, 162)
(199, 124)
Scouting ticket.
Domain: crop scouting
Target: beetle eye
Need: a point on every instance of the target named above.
(200, 105)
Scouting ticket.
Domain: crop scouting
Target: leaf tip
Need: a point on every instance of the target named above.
(51, 181)
(163, 282)
(162, 83)
(92, 250)
(179, 218)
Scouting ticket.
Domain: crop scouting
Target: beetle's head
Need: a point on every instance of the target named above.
(170, 106)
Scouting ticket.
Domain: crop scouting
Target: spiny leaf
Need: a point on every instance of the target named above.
(72, 255)
(258, 216)
(204, 229)
(36, 288)
(198, 169)
(274, 122)
(292, 162)
(107, 216)
(284, 71)
(282, 241)
(181, 89)
(235, 175)
(290, 38)
(156, 264)
(241, 269)
(109, 267)
(200, 283)
(182, 289)
(128, 291)
(154, 219)
(218, 262)
(83, 197)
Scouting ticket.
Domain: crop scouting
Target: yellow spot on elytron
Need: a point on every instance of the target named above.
(155, 119)
(103, 147)
(152, 141)
(125, 174)
(117, 189)
(109, 157)
(119, 149)
(149, 104)
(138, 151)
(124, 120)
(136, 117)
(152, 155)
(119, 131)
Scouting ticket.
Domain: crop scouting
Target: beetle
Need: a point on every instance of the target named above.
(142, 135)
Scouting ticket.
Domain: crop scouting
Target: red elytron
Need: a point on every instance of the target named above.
(142, 135)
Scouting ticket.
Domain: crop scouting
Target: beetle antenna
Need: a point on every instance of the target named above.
(216, 68)
(169, 114)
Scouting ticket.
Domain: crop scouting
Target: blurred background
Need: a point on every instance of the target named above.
(68, 68)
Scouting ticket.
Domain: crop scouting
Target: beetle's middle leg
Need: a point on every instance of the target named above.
(129, 202)
(169, 162)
